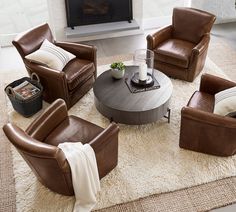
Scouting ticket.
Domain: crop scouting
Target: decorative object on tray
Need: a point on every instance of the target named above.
(25, 95)
(144, 59)
(135, 87)
(117, 70)
(144, 84)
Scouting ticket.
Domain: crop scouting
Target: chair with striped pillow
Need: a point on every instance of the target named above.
(66, 70)
(205, 130)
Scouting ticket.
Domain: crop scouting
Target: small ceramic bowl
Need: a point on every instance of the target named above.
(117, 74)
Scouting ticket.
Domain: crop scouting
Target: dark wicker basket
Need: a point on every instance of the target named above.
(30, 106)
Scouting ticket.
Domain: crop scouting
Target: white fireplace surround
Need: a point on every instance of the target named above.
(58, 23)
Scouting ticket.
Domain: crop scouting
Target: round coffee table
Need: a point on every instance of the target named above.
(115, 101)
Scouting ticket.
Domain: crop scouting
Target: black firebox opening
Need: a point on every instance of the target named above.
(85, 12)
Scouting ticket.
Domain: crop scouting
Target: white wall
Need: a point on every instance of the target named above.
(157, 13)
(138, 10)
(57, 18)
(19, 15)
(160, 8)
(223, 9)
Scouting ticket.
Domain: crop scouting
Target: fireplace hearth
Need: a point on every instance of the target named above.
(86, 12)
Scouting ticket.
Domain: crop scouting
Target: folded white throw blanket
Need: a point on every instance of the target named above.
(85, 176)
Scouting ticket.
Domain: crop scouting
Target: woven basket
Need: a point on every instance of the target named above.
(30, 106)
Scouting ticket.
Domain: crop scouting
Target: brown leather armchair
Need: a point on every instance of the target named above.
(38, 145)
(203, 131)
(181, 48)
(74, 80)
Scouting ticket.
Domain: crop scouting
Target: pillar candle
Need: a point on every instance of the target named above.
(143, 72)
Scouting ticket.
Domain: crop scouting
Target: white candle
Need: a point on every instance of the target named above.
(143, 71)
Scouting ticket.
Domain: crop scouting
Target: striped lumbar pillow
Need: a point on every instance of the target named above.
(225, 102)
(50, 55)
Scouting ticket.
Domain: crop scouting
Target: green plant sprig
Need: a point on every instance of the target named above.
(118, 65)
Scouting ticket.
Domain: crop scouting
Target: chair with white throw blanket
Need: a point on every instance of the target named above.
(38, 145)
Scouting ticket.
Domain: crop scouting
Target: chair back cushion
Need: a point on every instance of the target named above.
(45, 123)
(29, 41)
(191, 24)
(46, 161)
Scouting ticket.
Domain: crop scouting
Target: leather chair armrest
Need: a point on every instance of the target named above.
(81, 51)
(198, 57)
(53, 81)
(202, 45)
(153, 40)
(208, 119)
(105, 146)
(48, 120)
(21, 140)
(207, 132)
(104, 137)
(212, 84)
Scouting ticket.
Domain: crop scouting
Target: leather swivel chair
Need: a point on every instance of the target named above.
(74, 80)
(38, 145)
(180, 49)
(203, 131)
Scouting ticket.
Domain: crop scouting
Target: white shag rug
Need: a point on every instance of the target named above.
(150, 160)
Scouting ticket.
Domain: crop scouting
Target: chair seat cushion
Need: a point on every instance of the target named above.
(78, 71)
(73, 129)
(174, 51)
(202, 101)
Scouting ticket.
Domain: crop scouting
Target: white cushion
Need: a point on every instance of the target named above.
(225, 102)
(50, 55)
